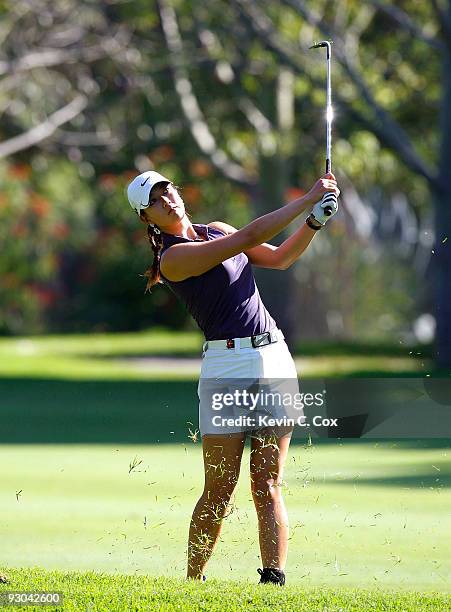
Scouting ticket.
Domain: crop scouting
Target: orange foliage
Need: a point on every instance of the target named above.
(61, 230)
(129, 175)
(161, 154)
(108, 181)
(191, 195)
(21, 172)
(39, 205)
(292, 193)
(20, 231)
(200, 167)
(139, 236)
(45, 296)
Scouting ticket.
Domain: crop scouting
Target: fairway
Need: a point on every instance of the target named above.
(362, 514)
(101, 476)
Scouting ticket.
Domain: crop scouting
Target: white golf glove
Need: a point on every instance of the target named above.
(329, 201)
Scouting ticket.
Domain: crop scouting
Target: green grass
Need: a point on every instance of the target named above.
(71, 411)
(96, 356)
(93, 591)
(147, 342)
(362, 515)
(370, 521)
(128, 356)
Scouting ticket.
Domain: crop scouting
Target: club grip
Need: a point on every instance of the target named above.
(329, 208)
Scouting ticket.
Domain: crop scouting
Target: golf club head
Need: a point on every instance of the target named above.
(323, 43)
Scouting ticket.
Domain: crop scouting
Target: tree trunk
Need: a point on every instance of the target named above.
(442, 278)
(442, 201)
(441, 263)
(277, 288)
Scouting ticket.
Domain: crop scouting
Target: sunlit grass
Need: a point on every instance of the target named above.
(149, 342)
(94, 591)
(160, 354)
(362, 514)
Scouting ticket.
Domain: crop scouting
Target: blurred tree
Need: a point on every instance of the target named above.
(74, 99)
(50, 52)
(222, 98)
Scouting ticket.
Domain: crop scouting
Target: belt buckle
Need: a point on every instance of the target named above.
(230, 343)
(259, 340)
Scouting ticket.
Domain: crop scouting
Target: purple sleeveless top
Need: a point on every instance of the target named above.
(224, 301)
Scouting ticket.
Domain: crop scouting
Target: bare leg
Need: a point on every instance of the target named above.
(268, 455)
(222, 460)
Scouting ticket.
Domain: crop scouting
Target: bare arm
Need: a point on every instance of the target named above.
(193, 259)
(275, 257)
(288, 252)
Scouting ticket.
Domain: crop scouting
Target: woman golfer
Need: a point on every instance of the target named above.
(209, 268)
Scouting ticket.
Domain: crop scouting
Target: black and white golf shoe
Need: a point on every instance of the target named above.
(270, 574)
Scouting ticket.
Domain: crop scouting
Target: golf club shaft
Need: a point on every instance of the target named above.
(328, 115)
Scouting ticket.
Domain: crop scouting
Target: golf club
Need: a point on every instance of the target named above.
(331, 197)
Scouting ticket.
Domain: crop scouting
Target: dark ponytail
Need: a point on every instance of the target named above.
(156, 242)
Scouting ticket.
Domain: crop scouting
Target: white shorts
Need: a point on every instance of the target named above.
(247, 390)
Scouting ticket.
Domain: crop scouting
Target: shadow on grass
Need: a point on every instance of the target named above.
(55, 411)
(324, 349)
(304, 349)
(422, 480)
(124, 412)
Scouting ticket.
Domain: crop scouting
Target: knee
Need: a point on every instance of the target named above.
(266, 489)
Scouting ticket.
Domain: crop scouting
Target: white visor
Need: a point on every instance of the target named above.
(139, 189)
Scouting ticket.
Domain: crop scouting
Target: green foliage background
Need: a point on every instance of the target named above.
(71, 252)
